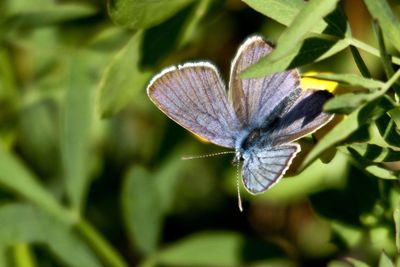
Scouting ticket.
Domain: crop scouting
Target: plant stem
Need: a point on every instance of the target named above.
(103, 249)
(369, 49)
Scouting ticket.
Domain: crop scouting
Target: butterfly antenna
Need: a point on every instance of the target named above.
(208, 155)
(238, 186)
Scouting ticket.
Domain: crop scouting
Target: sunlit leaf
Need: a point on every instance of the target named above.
(311, 50)
(143, 14)
(308, 17)
(75, 142)
(350, 80)
(385, 261)
(142, 209)
(21, 223)
(23, 255)
(122, 79)
(346, 103)
(381, 172)
(283, 11)
(380, 10)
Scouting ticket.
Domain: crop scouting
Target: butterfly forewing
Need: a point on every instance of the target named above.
(194, 96)
(254, 100)
(263, 167)
(304, 117)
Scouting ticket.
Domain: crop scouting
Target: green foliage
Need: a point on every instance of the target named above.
(90, 170)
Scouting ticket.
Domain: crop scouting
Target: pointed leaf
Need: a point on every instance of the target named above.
(143, 14)
(141, 209)
(311, 50)
(75, 141)
(385, 261)
(381, 11)
(346, 103)
(382, 172)
(350, 80)
(282, 11)
(122, 79)
(313, 12)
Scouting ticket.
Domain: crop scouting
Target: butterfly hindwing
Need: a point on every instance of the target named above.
(194, 96)
(304, 117)
(263, 167)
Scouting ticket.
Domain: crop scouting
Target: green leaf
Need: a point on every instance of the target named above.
(380, 10)
(385, 57)
(23, 256)
(396, 218)
(381, 172)
(143, 14)
(289, 41)
(351, 194)
(385, 261)
(164, 39)
(205, 249)
(356, 263)
(75, 141)
(15, 176)
(21, 223)
(142, 209)
(311, 50)
(375, 153)
(4, 259)
(346, 103)
(313, 12)
(362, 67)
(350, 80)
(215, 249)
(40, 15)
(282, 11)
(349, 125)
(388, 130)
(122, 79)
(395, 115)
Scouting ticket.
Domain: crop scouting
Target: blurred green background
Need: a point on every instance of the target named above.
(91, 171)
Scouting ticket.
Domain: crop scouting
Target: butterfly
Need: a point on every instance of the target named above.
(259, 117)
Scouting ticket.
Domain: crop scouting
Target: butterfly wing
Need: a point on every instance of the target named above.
(304, 117)
(194, 96)
(255, 100)
(264, 167)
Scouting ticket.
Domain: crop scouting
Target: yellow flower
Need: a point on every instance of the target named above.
(314, 83)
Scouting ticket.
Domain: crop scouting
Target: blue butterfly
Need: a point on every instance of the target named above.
(258, 117)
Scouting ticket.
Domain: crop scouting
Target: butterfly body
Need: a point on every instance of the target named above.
(259, 117)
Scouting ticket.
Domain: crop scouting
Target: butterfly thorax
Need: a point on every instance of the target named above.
(250, 139)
